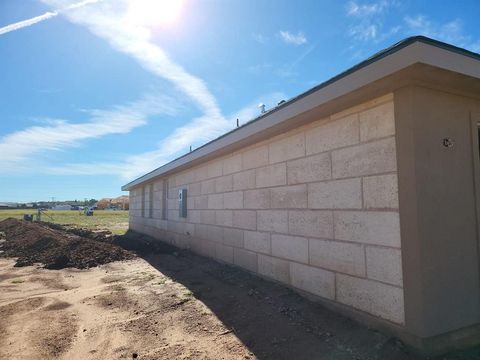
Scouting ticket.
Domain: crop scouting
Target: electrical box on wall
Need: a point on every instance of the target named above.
(182, 202)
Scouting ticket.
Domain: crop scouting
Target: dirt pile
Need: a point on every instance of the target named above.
(131, 240)
(56, 249)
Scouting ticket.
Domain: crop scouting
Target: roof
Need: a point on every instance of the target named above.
(410, 51)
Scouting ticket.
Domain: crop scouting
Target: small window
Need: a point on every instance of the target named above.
(150, 196)
(164, 199)
(143, 201)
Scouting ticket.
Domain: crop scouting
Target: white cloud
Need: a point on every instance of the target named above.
(196, 132)
(368, 19)
(368, 25)
(28, 22)
(368, 9)
(293, 39)
(364, 31)
(48, 15)
(451, 32)
(18, 149)
(108, 19)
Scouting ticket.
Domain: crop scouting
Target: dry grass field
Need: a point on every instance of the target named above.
(115, 221)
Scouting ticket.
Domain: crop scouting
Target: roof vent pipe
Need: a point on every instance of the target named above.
(262, 108)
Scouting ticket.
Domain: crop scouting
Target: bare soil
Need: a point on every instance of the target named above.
(173, 305)
(56, 248)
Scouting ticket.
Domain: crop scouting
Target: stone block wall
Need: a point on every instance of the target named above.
(315, 208)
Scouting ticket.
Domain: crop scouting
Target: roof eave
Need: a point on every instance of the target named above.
(387, 62)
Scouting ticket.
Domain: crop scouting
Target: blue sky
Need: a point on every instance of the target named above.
(95, 93)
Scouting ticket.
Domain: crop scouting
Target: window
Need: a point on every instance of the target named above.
(164, 199)
(150, 197)
(143, 201)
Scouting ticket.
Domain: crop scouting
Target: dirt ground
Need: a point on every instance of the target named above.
(173, 306)
(55, 247)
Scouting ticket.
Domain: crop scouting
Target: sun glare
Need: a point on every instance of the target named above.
(154, 12)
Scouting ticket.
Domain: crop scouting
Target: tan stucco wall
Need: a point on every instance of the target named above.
(439, 191)
(315, 208)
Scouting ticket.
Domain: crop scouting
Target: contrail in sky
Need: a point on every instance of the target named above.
(46, 16)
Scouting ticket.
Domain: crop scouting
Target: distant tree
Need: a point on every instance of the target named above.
(92, 202)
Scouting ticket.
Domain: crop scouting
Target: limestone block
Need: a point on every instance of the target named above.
(380, 192)
(245, 219)
(332, 135)
(207, 216)
(233, 237)
(214, 233)
(274, 268)
(215, 201)
(289, 197)
(272, 220)
(336, 194)
(314, 223)
(375, 298)
(215, 168)
(201, 202)
(244, 180)
(377, 122)
(272, 175)
(208, 186)
(233, 200)
(224, 217)
(290, 147)
(224, 253)
(338, 256)
(224, 184)
(254, 158)
(313, 280)
(309, 169)
(245, 259)
(365, 159)
(368, 227)
(290, 247)
(385, 264)
(257, 199)
(257, 241)
(195, 189)
(232, 164)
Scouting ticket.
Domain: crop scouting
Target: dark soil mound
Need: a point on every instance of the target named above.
(139, 243)
(55, 248)
(98, 235)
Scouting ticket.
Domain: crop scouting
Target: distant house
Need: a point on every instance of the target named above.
(119, 203)
(62, 207)
(363, 192)
(8, 205)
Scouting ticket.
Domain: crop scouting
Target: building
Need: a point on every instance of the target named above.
(363, 192)
(8, 205)
(62, 207)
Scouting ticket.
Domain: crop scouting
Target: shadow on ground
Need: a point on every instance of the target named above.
(276, 323)
(272, 321)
